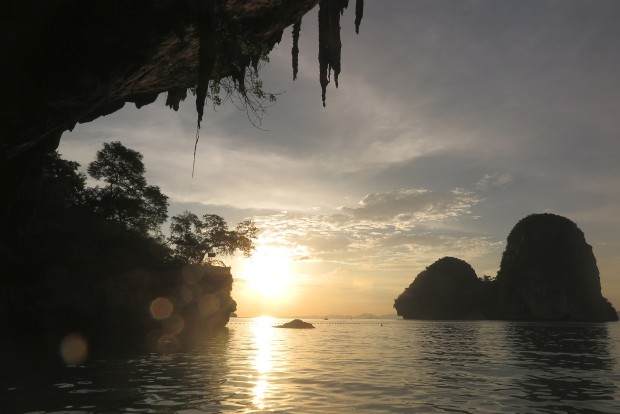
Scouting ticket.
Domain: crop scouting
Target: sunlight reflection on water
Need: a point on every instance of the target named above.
(263, 334)
(346, 366)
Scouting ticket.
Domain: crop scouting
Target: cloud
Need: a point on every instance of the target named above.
(409, 204)
(399, 229)
(495, 180)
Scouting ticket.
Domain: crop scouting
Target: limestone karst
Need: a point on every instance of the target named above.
(447, 289)
(548, 272)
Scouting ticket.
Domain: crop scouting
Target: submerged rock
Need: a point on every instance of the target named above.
(296, 324)
(549, 272)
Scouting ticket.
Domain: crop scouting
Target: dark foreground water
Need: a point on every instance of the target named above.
(347, 366)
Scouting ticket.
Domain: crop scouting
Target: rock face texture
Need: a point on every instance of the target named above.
(549, 272)
(69, 62)
(203, 301)
(447, 289)
(136, 310)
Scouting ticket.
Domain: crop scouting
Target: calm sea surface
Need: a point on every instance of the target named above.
(347, 366)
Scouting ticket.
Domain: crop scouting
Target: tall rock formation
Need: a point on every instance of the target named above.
(549, 272)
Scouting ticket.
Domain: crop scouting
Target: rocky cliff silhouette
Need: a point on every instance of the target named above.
(548, 273)
(447, 289)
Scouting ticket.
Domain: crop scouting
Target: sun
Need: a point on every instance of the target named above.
(268, 272)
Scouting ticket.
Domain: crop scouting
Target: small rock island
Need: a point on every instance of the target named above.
(447, 289)
(296, 324)
(548, 272)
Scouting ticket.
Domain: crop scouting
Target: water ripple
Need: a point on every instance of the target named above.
(346, 367)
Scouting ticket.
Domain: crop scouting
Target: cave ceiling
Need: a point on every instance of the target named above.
(70, 62)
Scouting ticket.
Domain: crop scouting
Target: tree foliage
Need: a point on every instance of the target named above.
(53, 208)
(193, 237)
(93, 259)
(126, 198)
(61, 183)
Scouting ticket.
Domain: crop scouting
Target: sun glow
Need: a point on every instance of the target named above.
(268, 272)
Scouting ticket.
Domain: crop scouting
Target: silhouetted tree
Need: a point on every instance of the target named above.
(487, 296)
(193, 237)
(62, 181)
(88, 261)
(58, 196)
(126, 199)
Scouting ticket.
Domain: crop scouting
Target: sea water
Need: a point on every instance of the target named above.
(347, 366)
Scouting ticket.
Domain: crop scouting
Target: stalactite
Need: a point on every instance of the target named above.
(276, 38)
(359, 13)
(207, 56)
(174, 98)
(224, 52)
(329, 41)
(295, 50)
(208, 13)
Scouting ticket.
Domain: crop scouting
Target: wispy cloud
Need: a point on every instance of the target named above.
(396, 229)
(498, 180)
(412, 204)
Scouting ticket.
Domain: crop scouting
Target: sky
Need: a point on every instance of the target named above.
(453, 120)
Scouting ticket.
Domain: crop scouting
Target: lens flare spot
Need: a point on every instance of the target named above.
(173, 325)
(73, 349)
(161, 308)
(209, 304)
